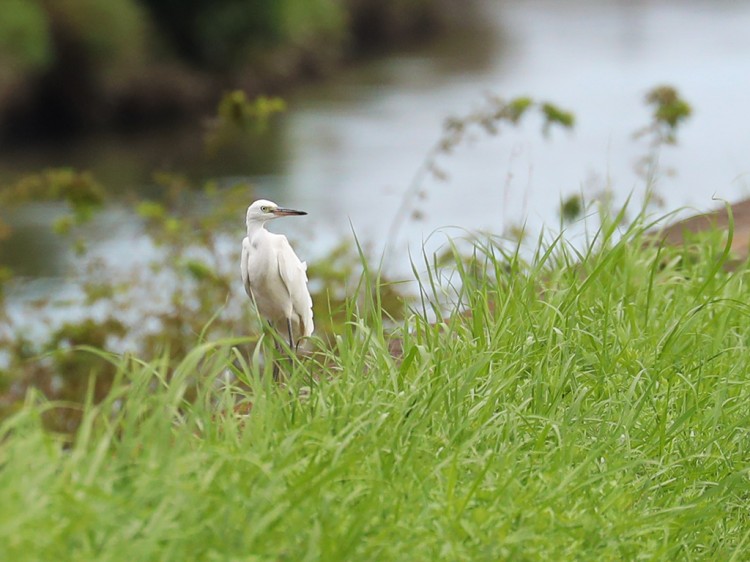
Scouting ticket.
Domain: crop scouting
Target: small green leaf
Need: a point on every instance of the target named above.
(555, 115)
(199, 270)
(669, 108)
(62, 225)
(172, 225)
(6, 274)
(518, 106)
(571, 208)
(150, 210)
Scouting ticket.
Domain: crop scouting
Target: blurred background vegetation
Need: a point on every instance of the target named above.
(78, 64)
(146, 263)
(94, 66)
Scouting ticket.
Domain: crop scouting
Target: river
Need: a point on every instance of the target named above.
(348, 147)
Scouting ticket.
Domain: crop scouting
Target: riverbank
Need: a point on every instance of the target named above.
(152, 67)
(680, 233)
(592, 407)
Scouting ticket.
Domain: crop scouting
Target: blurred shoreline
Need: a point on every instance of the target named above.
(139, 74)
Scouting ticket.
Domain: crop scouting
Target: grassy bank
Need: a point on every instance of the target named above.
(580, 405)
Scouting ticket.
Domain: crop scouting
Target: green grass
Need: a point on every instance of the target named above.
(592, 406)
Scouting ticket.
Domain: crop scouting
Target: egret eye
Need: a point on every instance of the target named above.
(265, 209)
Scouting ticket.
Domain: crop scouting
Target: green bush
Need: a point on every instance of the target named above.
(221, 33)
(25, 45)
(112, 34)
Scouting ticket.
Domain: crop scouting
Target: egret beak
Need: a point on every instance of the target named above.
(287, 212)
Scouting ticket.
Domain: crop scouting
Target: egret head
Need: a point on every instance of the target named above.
(263, 210)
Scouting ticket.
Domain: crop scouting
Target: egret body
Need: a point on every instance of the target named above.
(273, 276)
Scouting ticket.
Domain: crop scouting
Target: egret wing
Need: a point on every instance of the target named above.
(243, 266)
(294, 275)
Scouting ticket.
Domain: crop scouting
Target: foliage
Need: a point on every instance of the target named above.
(238, 116)
(183, 292)
(227, 33)
(174, 298)
(578, 405)
(571, 208)
(69, 65)
(670, 111)
(24, 38)
(310, 23)
(112, 34)
(224, 34)
(78, 189)
(553, 115)
(82, 195)
(211, 32)
(106, 34)
(490, 119)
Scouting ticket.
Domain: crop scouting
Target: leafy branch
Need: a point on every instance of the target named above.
(490, 119)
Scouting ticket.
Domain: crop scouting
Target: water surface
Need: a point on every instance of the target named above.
(347, 149)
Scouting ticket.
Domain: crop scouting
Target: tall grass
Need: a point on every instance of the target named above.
(580, 405)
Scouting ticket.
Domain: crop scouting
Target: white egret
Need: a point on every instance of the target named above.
(273, 276)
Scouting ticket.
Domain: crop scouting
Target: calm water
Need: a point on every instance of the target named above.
(347, 149)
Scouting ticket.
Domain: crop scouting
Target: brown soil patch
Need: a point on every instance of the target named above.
(719, 219)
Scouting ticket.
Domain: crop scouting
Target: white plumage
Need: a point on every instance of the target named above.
(273, 276)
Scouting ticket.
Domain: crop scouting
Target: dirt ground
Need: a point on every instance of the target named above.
(675, 233)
